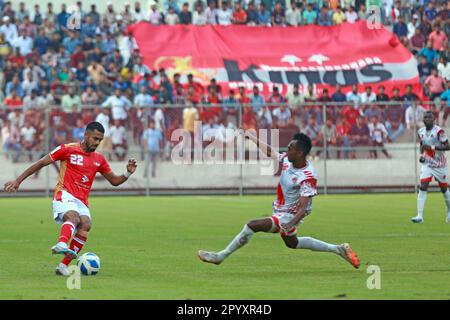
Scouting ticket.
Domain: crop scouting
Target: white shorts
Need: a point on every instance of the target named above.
(439, 174)
(68, 203)
(280, 218)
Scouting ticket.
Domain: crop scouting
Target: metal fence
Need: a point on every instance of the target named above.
(356, 147)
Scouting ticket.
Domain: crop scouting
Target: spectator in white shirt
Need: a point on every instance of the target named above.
(354, 96)
(126, 14)
(89, 97)
(37, 72)
(24, 43)
(211, 13)
(138, 15)
(50, 15)
(140, 68)
(412, 25)
(119, 105)
(351, 15)
(16, 118)
(378, 135)
(171, 17)
(28, 84)
(226, 133)
(443, 68)
(154, 16)
(27, 139)
(109, 15)
(143, 99)
(47, 98)
(409, 116)
(10, 141)
(159, 120)
(293, 15)
(9, 30)
(106, 145)
(368, 96)
(210, 129)
(152, 142)
(33, 101)
(119, 140)
(224, 15)
(295, 100)
(199, 16)
(282, 114)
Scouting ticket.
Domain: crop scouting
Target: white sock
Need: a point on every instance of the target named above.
(239, 241)
(316, 245)
(421, 198)
(447, 201)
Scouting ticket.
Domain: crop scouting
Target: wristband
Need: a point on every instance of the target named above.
(127, 174)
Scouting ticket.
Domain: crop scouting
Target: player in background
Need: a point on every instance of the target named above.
(296, 189)
(79, 165)
(433, 144)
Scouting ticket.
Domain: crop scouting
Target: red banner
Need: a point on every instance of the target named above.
(345, 54)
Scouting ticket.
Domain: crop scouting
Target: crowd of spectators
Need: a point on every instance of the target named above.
(44, 62)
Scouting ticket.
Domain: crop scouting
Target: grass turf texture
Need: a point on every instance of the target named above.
(148, 250)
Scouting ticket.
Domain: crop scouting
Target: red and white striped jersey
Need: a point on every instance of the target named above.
(294, 183)
(434, 137)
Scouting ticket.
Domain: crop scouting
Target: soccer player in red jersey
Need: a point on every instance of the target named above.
(79, 165)
(296, 189)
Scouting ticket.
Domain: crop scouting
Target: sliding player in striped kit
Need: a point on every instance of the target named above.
(79, 166)
(296, 189)
(433, 144)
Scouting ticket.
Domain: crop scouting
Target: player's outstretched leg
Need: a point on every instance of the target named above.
(261, 225)
(421, 199)
(344, 250)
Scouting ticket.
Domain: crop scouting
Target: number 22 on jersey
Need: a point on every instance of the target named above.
(76, 159)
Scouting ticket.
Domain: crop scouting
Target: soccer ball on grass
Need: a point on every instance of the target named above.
(89, 264)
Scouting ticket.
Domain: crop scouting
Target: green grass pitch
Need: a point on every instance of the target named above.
(148, 249)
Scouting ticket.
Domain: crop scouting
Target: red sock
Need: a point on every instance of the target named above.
(76, 245)
(67, 230)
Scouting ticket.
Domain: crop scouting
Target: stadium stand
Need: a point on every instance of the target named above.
(87, 74)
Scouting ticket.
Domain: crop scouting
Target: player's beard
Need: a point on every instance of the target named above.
(91, 148)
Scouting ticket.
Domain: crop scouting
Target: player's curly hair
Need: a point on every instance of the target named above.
(95, 126)
(303, 142)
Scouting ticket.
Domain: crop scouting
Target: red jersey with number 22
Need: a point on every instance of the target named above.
(78, 170)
